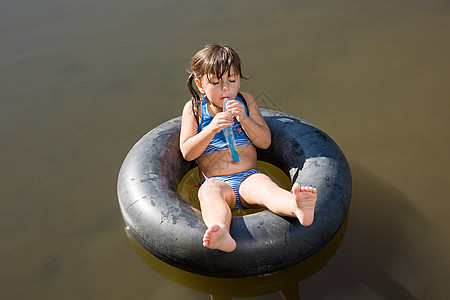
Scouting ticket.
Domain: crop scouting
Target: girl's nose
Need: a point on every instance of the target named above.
(225, 86)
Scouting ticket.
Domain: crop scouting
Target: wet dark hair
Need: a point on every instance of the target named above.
(213, 59)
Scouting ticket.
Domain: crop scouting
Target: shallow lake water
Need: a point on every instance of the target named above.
(82, 81)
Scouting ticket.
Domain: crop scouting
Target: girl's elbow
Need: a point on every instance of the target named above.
(187, 156)
(267, 141)
(265, 144)
(184, 154)
(187, 152)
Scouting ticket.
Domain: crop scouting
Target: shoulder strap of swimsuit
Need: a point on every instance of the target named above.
(243, 100)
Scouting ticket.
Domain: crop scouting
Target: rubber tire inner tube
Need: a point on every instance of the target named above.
(172, 230)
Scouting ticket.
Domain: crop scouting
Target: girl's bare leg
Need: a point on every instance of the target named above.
(216, 198)
(259, 189)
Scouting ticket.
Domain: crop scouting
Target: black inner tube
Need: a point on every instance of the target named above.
(172, 230)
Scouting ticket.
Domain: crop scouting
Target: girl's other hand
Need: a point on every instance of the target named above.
(237, 109)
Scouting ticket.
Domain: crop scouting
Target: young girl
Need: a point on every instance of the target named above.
(216, 71)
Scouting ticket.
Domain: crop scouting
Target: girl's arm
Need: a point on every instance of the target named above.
(254, 124)
(194, 143)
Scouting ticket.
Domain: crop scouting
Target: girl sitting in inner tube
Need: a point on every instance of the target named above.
(231, 182)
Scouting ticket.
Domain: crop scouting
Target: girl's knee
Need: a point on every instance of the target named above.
(257, 188)
(214, 189)
(258, 182)
(210, 187)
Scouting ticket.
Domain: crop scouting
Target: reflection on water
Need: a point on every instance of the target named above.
(285, 282)
(375, 234)
(382, 226)
(82, 81)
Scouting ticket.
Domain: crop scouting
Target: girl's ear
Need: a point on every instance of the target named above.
(199, 85)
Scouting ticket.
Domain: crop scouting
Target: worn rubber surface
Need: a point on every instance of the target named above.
(172, 230)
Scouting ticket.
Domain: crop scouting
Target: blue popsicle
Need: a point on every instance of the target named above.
(230, 136)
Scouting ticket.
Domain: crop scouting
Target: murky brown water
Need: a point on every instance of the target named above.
(82, 81)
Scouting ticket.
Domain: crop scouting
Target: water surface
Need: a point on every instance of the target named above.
(82, 81)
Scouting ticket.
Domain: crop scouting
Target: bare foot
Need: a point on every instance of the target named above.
(217, 237)
(305, 198)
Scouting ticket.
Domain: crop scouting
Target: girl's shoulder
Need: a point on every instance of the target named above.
(187, 107)
(188, 110)
(248, 98)
(246, 95)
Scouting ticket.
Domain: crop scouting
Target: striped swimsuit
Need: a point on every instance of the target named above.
(234, 180)
(219, 143)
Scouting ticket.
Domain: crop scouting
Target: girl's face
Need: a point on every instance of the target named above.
(218, 89)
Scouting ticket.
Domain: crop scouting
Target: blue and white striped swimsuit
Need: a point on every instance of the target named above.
(234, 180)
(219, 142)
